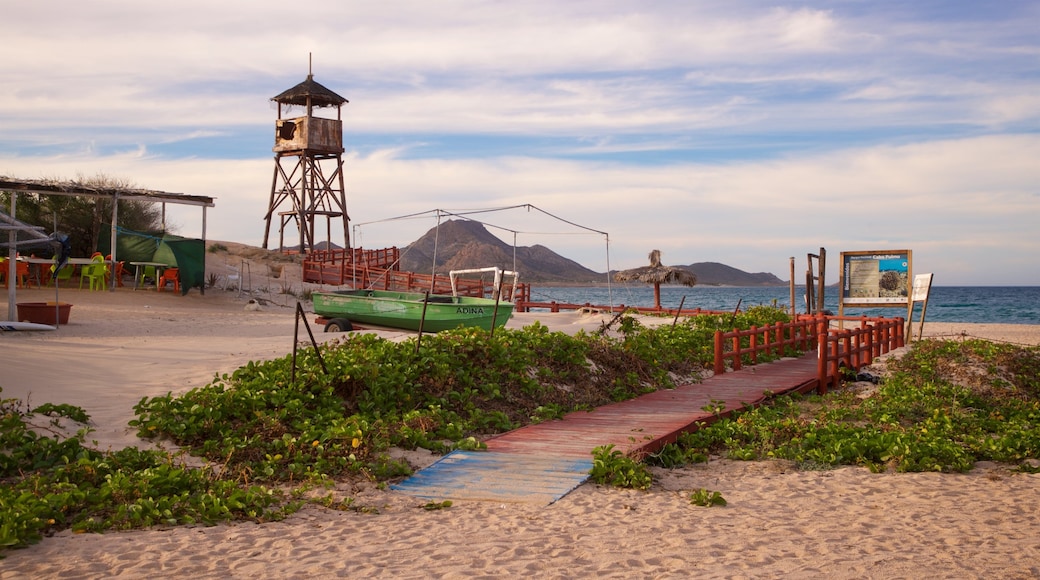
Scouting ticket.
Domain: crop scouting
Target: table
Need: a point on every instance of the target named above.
(159, 267)
(36, 268)
(37, 272)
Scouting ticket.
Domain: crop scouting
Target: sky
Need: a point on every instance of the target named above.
(736, 131)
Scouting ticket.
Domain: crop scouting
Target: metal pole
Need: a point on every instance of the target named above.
(793, 311)
(422, 319)
(12, 266)
(112, 242)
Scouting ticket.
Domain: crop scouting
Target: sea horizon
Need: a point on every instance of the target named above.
(972, 304)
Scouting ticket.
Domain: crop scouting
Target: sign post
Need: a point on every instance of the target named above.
(922, 285)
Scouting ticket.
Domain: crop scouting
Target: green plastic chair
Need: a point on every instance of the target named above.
(64, 274)
(149, 273)
(96, 273)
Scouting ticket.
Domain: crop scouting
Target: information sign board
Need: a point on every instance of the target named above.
(876, 278)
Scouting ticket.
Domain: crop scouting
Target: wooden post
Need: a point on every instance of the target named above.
(793, 311)
(821, 363)
(720, 365)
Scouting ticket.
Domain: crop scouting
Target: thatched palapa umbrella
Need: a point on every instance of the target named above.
(657, 274)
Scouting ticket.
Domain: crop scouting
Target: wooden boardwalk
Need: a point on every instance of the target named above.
(542, 462)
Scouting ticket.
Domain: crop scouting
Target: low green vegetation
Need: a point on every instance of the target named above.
(51, 482)
(945, 406)
(267, 443)
(707, 498)
(611, 467)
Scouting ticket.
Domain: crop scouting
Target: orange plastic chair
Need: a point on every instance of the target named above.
(118, 270)
(170, 275)
(21, 275)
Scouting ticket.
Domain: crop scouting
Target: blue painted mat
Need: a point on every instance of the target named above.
(501, 477)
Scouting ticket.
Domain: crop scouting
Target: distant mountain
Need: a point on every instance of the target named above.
(716, 274)
(464, 244)
(461, 244)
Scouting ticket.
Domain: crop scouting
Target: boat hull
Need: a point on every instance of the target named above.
(404, 310)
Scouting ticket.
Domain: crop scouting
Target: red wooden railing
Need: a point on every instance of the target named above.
(853, 348)
(380, 270)
(778, 338)
(339, 267)
(554, 306)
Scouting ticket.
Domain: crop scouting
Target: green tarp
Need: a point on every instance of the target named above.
(188, 255)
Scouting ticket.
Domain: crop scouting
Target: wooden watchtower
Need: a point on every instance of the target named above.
(308, 166)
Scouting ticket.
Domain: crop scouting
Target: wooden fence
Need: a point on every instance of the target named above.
(341, 267)
(836, 348)
(854, 348)
(523, 305)
(379, 270)
(774, 339)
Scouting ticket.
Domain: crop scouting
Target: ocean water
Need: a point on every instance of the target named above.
(980, 304)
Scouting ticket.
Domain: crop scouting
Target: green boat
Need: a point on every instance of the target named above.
(342, 309)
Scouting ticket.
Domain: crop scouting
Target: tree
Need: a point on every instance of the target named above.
(83, 218)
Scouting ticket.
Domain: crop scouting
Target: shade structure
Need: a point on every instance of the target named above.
(657, 274)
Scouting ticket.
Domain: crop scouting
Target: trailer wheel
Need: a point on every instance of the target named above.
(339, 325)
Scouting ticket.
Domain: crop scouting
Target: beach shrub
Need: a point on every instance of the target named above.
(378, 393)
(707, 498)
(946, 405)
(256, 425)
(611, 467)
(53, 482)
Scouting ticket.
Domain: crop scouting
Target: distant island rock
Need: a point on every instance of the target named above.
(461, 244)
(716, 274)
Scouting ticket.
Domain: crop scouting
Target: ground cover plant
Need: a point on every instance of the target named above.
(267, 439)
(944, 406)
(52, 481)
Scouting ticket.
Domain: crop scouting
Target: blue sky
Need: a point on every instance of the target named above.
(740, 132)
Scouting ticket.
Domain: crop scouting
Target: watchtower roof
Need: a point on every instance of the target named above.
(310, 89)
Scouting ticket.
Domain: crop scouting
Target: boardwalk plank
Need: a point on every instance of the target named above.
(542, 462)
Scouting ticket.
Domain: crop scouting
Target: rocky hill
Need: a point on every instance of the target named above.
(467, 244)
(716, 274)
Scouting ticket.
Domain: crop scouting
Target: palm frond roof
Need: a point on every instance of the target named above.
(319, 95)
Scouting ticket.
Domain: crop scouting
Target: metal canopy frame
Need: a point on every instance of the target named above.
(75, 188)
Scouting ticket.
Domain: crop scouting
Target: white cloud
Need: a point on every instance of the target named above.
(966, 201)
(743, 132)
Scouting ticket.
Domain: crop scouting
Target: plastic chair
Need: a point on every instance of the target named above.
(170, 275)
(118, 269)
(21, 275)
(65, 273)
(96, 273)
(147, 273)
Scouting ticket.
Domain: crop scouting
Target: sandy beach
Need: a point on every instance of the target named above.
(843, 523)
